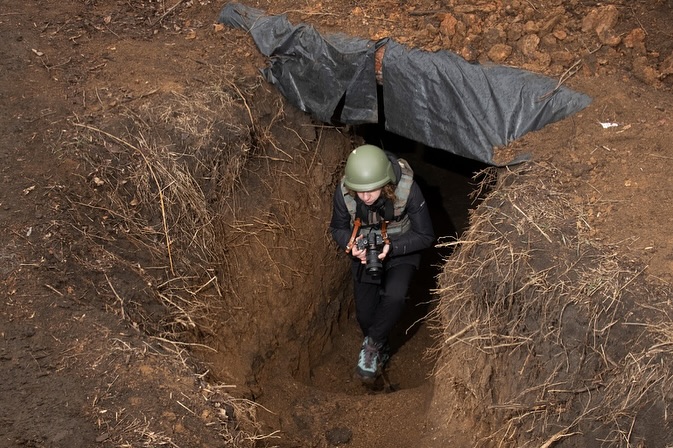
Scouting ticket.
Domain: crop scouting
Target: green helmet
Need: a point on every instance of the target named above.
(368, 168)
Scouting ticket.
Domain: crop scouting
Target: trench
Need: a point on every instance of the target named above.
(306, 407)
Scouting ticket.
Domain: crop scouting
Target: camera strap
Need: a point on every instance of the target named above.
(356, 229)
(384, 232)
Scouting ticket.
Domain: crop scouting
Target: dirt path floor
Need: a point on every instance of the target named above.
(76, 372)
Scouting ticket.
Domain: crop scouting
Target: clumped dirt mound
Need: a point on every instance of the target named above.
(547, 334)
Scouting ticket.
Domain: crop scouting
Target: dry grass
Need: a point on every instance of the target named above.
(188, 198)
(580, 346)
(154, 201)
(123, 426)
(161, 184)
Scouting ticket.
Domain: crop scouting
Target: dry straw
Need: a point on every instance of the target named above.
(163, 184)
(162, 177)
(234, 420)
(574, 339)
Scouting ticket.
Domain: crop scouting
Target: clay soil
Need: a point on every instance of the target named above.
(77, 370)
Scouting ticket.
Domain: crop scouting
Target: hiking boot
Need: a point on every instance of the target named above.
(368, 360)
(384, 355)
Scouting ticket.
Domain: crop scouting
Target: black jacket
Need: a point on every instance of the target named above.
(406, 247)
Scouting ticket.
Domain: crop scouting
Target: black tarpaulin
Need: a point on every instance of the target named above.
(438, 99)
(314, 73)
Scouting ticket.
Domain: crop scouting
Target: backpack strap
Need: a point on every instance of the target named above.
(403, 188)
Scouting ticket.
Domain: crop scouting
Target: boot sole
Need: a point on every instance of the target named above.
(365, 378)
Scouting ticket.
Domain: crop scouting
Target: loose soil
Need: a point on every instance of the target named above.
(86, 354)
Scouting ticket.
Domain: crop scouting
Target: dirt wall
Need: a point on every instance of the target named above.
(232, 191)
(287, 280)
(549, 336)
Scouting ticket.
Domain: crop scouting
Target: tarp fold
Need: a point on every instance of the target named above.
(436, 98)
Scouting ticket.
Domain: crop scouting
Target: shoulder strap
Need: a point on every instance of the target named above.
(351, 205)
(403, 188)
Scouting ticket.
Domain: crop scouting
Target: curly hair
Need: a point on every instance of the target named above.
(387, 191)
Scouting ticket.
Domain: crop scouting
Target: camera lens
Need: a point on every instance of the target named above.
(374, 265)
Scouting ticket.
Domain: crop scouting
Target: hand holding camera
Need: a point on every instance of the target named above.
(371, 248)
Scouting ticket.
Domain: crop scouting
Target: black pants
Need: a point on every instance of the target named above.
(378, 307)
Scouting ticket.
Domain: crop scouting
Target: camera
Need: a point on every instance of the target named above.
(373, 242)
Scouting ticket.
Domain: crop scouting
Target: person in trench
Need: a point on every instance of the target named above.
(381, 219)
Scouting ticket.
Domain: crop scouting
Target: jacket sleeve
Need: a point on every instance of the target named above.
(340, 225)
(421, 235)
